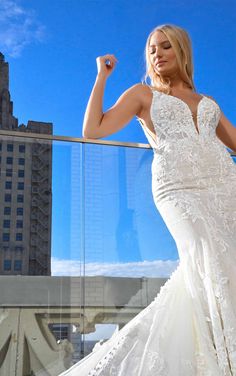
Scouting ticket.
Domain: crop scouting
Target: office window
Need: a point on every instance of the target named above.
(20, 198)
(7, 210)
(19, 224)
(21, 173)
(17, 265)
(9, 147)
(9, 172)
(19, 248)
(19, 211)
(5, 248)
(5, 237)
(7, 197)
(6, 223)
(7, 265)
(19, 236)
(20, 186)
(9, 160)
(21, 148)
(8, 184)
(21, 161)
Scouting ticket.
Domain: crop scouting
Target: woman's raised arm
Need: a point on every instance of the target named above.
(98, 124)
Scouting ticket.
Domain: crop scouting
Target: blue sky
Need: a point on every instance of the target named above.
(51, 47)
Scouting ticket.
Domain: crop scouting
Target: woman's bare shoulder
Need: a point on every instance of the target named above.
(142, 88)
(143, 92)
(209, 96)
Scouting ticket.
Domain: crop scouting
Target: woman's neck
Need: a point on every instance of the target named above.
(177, 84)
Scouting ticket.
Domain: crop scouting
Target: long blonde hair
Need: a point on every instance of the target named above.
(181, 44)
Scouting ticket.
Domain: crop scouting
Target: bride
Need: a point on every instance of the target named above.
(190, 327)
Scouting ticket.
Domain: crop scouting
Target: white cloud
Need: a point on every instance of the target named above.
(18, 28)
(157, 268)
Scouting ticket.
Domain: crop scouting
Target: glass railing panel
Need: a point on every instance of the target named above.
(83, 248)
(129, 252)
(124, 233)
(40, 249)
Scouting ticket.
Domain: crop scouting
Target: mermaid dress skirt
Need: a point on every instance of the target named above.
(190, 327)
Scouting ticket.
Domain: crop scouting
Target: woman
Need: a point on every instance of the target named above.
(190, 328)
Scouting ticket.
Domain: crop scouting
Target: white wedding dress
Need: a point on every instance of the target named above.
(190, 327)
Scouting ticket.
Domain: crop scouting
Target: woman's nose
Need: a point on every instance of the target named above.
(158, 52)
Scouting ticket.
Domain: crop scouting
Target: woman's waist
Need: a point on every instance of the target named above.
(193, 189)
(188, 177)
(192, 166)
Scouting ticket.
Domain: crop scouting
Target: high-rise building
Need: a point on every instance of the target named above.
(25, 191)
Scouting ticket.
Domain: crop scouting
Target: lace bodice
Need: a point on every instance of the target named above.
(173, 119)
(183, 155)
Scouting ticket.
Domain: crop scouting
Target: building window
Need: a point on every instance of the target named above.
(20, 198)
(21, 148)
(7, 265)
(21, 161)
(9, 147)
(20, 186)
(0, 147)
(19, 224)
(7, 197)
(5, 248)
(21, 173)
(8, 184)
(6, 223)
(19, 248)
(9, 172)
(19, 211)
(9, 160)
(5, 237)
(17, 265)
(7, 210)
(19, 236)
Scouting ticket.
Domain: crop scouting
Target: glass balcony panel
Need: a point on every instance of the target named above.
(91, 252)
(39, 253)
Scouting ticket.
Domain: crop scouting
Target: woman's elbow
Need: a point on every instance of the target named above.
(91, 135)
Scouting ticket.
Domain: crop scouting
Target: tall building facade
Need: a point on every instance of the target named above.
(25, 191)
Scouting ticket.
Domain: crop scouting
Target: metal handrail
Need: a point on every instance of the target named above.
(49, 137)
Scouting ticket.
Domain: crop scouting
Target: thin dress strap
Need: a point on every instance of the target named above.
(151, 138)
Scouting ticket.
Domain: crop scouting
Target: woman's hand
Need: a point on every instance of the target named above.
(106, 65)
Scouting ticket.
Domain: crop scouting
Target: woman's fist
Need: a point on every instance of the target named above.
(106, 64)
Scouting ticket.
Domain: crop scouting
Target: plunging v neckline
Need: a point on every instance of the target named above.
(196, 125)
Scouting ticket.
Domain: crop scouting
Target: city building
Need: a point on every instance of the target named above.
(25, 191)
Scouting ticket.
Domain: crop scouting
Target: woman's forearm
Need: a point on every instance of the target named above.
(94, 110)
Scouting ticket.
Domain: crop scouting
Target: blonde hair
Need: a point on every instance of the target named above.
(181, 44)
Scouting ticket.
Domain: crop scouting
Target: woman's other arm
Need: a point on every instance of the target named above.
(226, 132)
(98, 124)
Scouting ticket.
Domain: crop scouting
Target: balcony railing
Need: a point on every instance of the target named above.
(95, 249)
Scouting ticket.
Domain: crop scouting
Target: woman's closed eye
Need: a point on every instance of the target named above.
(165, 47)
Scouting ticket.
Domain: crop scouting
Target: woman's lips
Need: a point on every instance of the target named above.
(161, 62)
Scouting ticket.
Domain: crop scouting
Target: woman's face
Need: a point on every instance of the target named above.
(162, 55)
